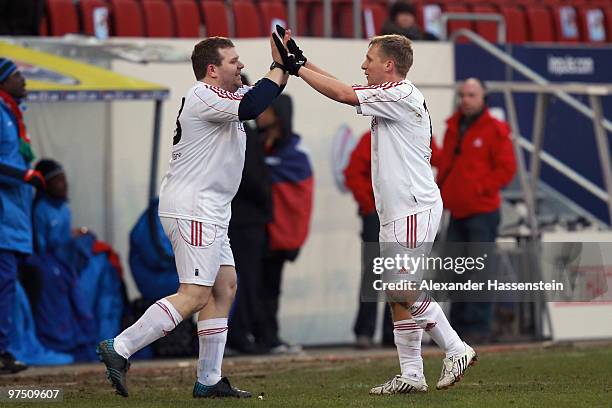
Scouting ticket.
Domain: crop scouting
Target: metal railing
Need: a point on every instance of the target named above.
(544, 89)
(498, 18)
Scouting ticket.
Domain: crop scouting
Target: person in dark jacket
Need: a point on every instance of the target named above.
(402, 20)
(15, 199)
(292, 198)
(251, 212)
(358, 179)
(476, 161)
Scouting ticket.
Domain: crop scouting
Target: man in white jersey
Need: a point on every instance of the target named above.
(205, 170)
(407, 198)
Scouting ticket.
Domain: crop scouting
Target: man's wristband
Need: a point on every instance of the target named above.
(277, 65)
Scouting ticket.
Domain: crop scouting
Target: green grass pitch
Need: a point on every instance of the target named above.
(552, 377)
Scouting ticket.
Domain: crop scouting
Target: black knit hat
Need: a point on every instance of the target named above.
(7, 67)
(49, 168)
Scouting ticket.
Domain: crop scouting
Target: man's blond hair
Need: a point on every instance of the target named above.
(397, 48)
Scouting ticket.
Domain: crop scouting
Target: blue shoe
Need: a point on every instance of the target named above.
(220, 390)
(116, 366)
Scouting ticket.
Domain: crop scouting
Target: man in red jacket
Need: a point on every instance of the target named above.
(358, 179)
(474, 164)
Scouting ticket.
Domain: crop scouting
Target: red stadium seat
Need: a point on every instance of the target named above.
(158, 18)
(566, 24)
(376, 14)
(540, 24)
(246, 19)
(516, 26)
(43, 28)
(215, 18)
(592, 24)
(428, 17)
(303, 18)
(608, 15)
(316, 23)
(127, 18)
(87, 10)
(186, 18)
(487, 29)
(372, 14)
(272, 12)
(455, 25)
(62, 17)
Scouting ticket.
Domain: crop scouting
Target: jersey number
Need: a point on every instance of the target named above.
(178, 132)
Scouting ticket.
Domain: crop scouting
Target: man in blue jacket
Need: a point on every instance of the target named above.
(15, 199)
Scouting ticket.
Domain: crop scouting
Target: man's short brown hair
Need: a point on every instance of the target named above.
(206, 52)
(397, 48)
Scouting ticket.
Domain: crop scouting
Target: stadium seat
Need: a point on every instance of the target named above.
(303, 18)
(158, 18)
(487, 29)
(127, 18)
(316, 22)
(247, 21)
(215, 18)
(87, 10)
(62, 17)
(566, 23)
(378, 14)
(272, 12)
(457, 24)
(540, 25)
(372, 14)
(608, 17)
(43, 28)
(186, 18)
(516, 27)
(428, 17)
(592, 24)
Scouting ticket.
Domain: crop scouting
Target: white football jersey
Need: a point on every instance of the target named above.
(402, 178)
(207, 157)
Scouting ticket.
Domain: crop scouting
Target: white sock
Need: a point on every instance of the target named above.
(212, 334)
(429, 315)
(408, 337)
(157, 321)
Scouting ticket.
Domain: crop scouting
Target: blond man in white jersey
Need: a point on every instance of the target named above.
(203, 177)
(407, 198)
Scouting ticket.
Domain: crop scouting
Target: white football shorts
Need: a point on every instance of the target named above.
(199, 249)
(409, 241)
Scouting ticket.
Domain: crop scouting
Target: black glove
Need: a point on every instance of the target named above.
(292, 46)
(289, 61)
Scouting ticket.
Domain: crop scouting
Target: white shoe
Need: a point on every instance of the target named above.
(453, 367)
(400, 385)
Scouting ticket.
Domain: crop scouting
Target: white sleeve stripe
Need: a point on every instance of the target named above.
(212, 107)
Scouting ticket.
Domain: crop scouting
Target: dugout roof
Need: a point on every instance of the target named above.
(54, 78)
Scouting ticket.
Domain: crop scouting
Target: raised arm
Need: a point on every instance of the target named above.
(329, 86)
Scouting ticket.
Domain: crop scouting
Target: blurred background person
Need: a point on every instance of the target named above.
(15, 200)
(402, 20)
(251, 212)
(358, 179)
(52, 218)
(21, 18)
(475, 162)
(292, 198)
